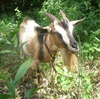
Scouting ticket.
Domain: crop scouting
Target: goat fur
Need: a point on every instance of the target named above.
(30, 33)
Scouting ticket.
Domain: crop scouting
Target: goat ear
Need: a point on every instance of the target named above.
(63, 15)
(77, 21)
(47, 28)
(43, 29)
(52, 17)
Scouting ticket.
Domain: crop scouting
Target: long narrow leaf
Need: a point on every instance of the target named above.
(97, 49)
(22, 70)
(7, 51)
(5, 96)
(30, 92)
(11, 87)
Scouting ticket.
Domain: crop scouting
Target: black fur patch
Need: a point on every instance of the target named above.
(40, 33)
(40, 52)
(64, 24)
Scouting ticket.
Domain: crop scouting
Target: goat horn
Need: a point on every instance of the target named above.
(52, 17)
(63, 15)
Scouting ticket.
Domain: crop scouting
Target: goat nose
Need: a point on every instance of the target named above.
(74, 45)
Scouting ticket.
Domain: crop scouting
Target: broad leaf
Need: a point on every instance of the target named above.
(22, 70)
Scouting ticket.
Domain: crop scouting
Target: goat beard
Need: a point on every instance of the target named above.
(69, 58)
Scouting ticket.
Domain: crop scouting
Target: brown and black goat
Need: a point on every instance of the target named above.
(42, 43)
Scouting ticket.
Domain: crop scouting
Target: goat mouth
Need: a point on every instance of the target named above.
(73, 50)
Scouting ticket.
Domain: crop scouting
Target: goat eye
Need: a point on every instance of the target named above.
(59, 35)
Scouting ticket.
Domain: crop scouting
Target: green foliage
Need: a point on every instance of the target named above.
(88, 34)
(11, 84)
(85, 85)
(92, 45)
(68, 81)
(18, 13)
(8, 29)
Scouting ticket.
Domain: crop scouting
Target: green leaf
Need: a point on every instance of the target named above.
(85, 51)
(22, 45)
(86, 86)
(2, 77)
(89, 89)
(7, 51)
(91, 57)
(91, 49)
(71, 78)
(15, 41)
(90, 74)
(97, 49)
(30, 92)
(22, 70)
(8, 42)
(14, 33)
(59, 79)
(97, 39)
(11, 87)
(87, 45)
(87, 96)
(5, 96)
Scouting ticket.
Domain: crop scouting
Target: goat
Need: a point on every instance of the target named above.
(42, 43)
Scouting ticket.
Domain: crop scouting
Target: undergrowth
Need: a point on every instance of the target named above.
(67, 85)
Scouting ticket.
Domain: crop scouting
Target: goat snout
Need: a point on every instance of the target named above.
(74, 46)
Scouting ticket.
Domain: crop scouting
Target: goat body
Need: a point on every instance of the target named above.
(33, 35)
(41, 43)
(34, 45)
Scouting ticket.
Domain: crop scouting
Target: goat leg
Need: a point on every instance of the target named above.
(52, 74)
(38, 76)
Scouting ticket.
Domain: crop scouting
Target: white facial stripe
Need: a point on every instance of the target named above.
(63, 33)
(70, 27)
